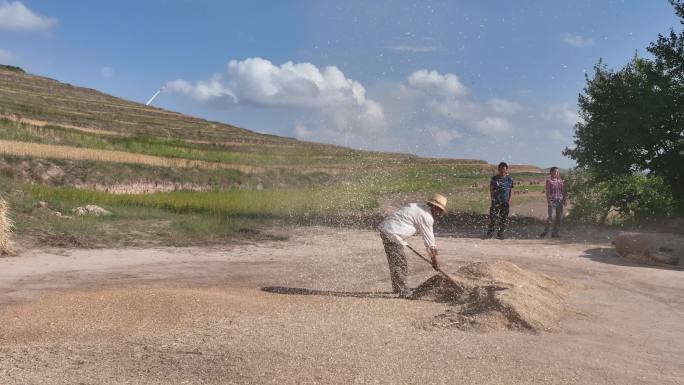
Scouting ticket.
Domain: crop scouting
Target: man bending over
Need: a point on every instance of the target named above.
(403, 223)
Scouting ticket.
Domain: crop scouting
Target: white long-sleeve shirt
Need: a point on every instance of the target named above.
(403, 223)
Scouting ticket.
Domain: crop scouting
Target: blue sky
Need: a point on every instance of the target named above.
(493, 80)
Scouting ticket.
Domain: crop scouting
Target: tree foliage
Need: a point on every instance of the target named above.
(669, 49)
(627, 197)
(633, 118)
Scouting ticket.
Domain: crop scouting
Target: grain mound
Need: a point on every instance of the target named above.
(496, 296)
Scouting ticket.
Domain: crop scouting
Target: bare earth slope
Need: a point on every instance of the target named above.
(206, 316)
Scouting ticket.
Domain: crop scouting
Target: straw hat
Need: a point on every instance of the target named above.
(439, 201)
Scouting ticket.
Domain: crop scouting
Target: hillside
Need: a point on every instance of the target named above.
(42, 101)
(48, 100)
(71, 146)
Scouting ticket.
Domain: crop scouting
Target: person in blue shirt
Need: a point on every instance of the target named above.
(500, 188)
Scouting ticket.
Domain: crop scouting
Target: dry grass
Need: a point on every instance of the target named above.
(26, 149)
(97, 131)
(42, 123)
(6, 244)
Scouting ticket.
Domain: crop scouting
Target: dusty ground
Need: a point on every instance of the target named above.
(200, 316)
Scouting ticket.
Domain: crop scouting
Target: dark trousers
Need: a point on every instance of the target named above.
(398, 265)
(498, 211)
(555, 216)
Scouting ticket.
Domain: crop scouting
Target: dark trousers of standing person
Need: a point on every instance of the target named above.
(398, 265)
(498, 211)
(555, 216)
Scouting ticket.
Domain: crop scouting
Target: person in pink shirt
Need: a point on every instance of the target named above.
(556, 198)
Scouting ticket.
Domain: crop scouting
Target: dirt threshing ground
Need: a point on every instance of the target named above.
(201, 316)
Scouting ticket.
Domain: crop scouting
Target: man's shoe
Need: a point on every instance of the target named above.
(555, 236)
(500, 236)
(542, 235)
(489, 235)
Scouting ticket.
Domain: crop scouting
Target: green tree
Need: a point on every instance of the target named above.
(669, 61)
(628, 196)
(633, 118)
(669, 49)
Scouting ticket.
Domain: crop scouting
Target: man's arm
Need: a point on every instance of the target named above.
(510, 193)
(424, 226)
(548, 192)
(433, 257)
(427, 234)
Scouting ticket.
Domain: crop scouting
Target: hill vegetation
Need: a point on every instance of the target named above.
(68, 146)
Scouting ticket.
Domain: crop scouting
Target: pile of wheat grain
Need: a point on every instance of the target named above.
(496, 295)
(6, 245)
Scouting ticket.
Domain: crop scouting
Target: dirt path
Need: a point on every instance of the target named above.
(199, 316)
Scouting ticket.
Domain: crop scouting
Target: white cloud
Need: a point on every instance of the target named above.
(558, 136)
(442, 136)
(455, 109)
(106, 72)
(563, 113)
(417, 115)
(433, 81)
(442, 96)
(5, 56)
(503, 107)
(16, 16)
(577, 40)
(258, 81)
(492, 125)
(212, 90)
(339, 102)
(414, 48)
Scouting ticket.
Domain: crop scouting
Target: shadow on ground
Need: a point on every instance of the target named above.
(610, 256)
(470, 225)
(329, 293)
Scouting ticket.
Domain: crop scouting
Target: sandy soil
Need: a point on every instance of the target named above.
(200, 316)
